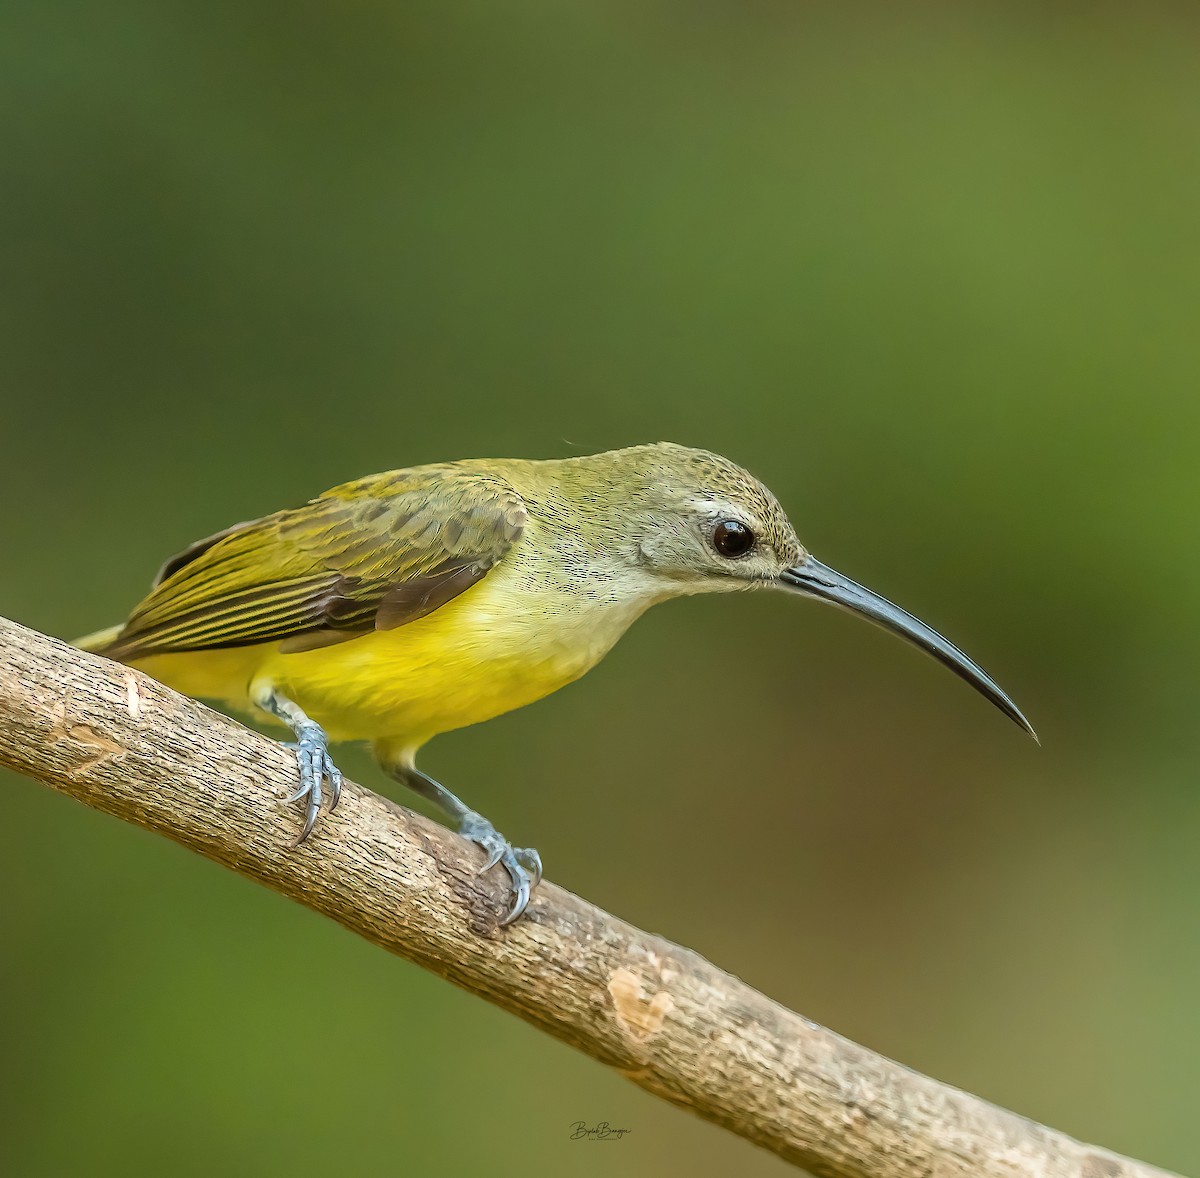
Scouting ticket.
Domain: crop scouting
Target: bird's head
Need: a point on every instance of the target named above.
(701, 524)
(698, 523)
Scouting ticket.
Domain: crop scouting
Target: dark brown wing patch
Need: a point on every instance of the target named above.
(414, 599)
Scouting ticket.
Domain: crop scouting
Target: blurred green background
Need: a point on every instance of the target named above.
(930, 271)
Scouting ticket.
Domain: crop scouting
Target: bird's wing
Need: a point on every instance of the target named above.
(369, 555)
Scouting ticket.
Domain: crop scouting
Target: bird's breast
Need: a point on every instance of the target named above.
(507, 642)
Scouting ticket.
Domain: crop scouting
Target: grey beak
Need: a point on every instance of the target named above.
(814, 579)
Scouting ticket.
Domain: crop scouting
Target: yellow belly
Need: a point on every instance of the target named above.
(487, 652)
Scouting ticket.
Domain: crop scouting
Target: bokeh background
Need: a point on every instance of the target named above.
(930, 271)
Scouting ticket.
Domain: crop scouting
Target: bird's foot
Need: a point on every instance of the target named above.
(316, 765)
(523, 864)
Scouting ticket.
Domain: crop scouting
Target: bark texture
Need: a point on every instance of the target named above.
(661, 1014)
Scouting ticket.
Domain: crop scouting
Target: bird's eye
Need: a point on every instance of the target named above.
(732, 538)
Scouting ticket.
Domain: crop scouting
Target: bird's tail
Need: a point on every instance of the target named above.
(100, 642)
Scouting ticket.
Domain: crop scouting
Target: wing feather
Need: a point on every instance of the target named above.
(373, 554)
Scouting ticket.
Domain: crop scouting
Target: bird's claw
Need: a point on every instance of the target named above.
(523, 864)
(316, 765)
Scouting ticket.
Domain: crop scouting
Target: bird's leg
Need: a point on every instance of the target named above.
(523, 864)
(312, 756)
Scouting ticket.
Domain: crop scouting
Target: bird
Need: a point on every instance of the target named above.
(403, 605)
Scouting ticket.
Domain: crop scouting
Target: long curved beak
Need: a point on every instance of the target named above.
(814, 579)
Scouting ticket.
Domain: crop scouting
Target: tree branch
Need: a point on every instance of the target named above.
(674, 1024)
